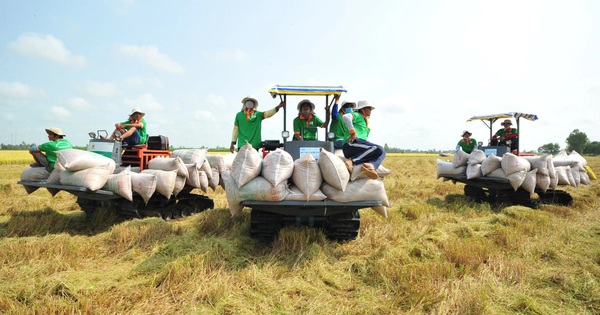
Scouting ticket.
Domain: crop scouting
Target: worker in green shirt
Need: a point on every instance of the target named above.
(56, 143)
(338, 127)
(466, 143)
(248, 122)
(305, 125)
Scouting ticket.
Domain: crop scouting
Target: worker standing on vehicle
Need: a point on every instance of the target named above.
(305, 125)
(467, 143)
(357, 149)
(338, 127)
(248, 122)
(506, 134)
(56, 143)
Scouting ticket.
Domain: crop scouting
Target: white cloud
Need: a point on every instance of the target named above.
(101, 89)
(60, 112)
(46, 47)
(140, 82)
(204, 116)
(235, 55)
(145, 102)
(18, 91)
(151, 56)
(79, 104)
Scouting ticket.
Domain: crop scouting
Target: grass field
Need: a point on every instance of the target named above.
(437, 253)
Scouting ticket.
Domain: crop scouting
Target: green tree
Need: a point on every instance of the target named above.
(593, 148)
(549, 148)
(577, 141)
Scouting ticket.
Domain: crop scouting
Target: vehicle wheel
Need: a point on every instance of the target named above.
(475, 193)
(559, 197)
(265, 225)
(343, 226)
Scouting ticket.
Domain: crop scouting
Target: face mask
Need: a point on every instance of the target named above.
(305, 112)
(348, 110)
(249, 104)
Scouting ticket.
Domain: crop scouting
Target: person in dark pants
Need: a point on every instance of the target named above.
(506, 136)
(357, 150)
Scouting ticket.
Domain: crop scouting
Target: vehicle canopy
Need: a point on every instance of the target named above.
(489, 120)
(308, 90)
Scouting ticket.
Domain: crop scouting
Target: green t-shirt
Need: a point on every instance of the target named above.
(467, 146)
(307, 129)
(503, 133)
(141, 131)
(360, 126)
(249, 130)
(51, 147)
(339, 128)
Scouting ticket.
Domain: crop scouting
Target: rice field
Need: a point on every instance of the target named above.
(436, 253)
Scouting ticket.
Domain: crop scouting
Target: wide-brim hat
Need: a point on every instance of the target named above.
(312, 106)
(349, 104)
(137, 110)
(55, 131)
(363, 104)
(506, 122)
(465, 131)
(250, 98)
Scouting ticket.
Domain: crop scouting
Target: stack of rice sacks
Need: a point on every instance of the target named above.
(278, 177)
(544, 172)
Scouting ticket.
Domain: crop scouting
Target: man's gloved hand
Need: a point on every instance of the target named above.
(33, 148)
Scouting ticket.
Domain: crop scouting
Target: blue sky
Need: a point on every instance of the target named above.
(426, 66)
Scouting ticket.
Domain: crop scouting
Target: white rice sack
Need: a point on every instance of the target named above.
(204, 181)
(447, 168)
(538, 162)
(550, 166)
(358, 190)
(585, 178)
(193, 179)
(190, 156)
(144, 184)
(516, 178)
(232, 194)
(460, 158)
(54, 177)
(77, 160)
(473, 171)
(570, 177)
(562, 174)
(529, 182)
(90, 178)
(490, 163)
(476, 157)
(257, 189)
(216, 161)
(120, 184)
(215, 180)
(563, 159)
(165, 181)
(511, 164)
(169, 164)
(246, 165)
(307, 175)
(297, 195)
(576, 177)
(333, 170)
(542, 182)
(381, 210)
(179, 184)
(207, 169)
(35, 174)
(554, 182)
(228, 160)
(581, 161)
(278, 166)
(497, 173)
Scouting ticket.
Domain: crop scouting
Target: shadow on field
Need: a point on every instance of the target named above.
(49, 221)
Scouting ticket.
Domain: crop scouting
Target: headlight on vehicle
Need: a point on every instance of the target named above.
(330, 135)
(285, 134)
